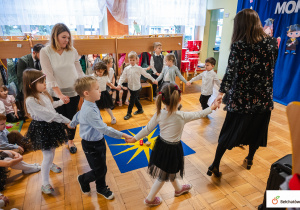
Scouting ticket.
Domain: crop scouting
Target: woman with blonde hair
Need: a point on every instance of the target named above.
(247, 87)
(60, 63)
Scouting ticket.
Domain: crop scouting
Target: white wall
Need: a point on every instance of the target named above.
(230, 7)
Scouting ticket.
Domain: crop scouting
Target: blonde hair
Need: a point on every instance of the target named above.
(107, 59)
(29, 88)
(56, 30)
(156, 44)
(170, 57)
(84, 84)
(132, 54)
(170, 96)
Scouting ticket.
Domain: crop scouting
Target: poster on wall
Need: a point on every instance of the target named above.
(281, 20)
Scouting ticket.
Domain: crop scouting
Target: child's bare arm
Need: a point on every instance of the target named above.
(15, 109)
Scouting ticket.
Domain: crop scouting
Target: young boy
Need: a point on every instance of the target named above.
(133, 74)
(12, 140)
(156, 64)
(209, 78)
(92, 131)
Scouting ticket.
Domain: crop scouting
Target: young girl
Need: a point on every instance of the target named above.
(11, 110)
(124, 87)
(46, 130)
(109, 61)
(105, 101)
(166, 160)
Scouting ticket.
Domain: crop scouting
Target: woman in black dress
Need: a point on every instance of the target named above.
(248, 88)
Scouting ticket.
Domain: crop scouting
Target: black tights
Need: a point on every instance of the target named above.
(221, 150)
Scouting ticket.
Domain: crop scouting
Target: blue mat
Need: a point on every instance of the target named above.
(133, 156)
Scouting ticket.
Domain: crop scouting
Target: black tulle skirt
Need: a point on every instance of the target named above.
(245, 129)
(105, 101)
(166, 160)
(45, 136)
(3, 172)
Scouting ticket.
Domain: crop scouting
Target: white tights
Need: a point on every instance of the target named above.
(48, 157)
(110, 113)
(158, 185)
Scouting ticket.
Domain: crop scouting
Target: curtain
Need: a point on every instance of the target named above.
(90, 12)
(167, 12)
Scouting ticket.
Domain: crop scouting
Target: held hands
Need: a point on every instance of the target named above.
(149, 68)
(155, 82)
(64, 98)
(157, 74)
(127, 137)
(188, 84)
(131, 140)
(21, 149)
(69, 126)
(118, 88)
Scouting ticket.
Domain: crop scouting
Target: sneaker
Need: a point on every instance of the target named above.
(55, 168)
(85, 188)
(106, 193)
(113, 121)
(138, 112)
(155, 202)
(185, 188)
(127, 117)
(32, 170)
(48, 189)
(127, 103)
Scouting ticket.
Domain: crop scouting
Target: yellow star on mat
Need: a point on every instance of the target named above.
(137, 146)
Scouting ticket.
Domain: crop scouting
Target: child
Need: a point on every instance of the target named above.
(12, 112)
(92, 131)
(108, 60)
(12, 140)
(133, 74)
(46, 131)
(170, 71)
(156, 64)
(209, 78)
(124, 86)
(166, 160)
(105, 101)
(9, 158)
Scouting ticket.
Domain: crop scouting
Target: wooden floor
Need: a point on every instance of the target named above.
(238, 188)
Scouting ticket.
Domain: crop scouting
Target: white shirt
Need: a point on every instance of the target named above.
(111, 74)
(209, 78)
(43, 110)
(133, 75)
(171, 127)
(61, 70)
(2, 108)
(102, 81)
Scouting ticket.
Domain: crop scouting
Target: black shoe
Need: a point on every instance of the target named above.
(138, 112)
(85, 188)
(248, 163)
(106, 193)
(127, 117)
(73, 149)
(213, 170)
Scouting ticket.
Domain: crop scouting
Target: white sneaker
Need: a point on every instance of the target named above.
(113, 121)
(32, 170)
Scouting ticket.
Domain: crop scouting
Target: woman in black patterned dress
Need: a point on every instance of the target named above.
(247, 87)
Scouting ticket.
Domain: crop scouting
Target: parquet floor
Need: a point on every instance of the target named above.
(238, 188)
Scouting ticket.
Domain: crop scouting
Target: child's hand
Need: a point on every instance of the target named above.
(21, 149)
(149, 68)
(17, 116)
(69, 126)
(125, 88)
(118, 88)
(188, 84)
(215, 105)
(155, 82)
(157, 73)
(130, 140)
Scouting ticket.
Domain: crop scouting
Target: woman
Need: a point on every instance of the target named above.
(248, 88)
(59, 61)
